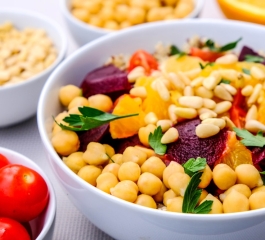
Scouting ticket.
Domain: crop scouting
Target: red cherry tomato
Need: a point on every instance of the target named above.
(238, 110)
(23, 193)
(205, 55)
(143, 59)
(12, 230)
(3, 161)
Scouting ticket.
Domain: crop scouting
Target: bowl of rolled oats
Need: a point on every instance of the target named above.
(31, 46)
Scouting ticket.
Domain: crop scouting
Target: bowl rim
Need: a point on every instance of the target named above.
(65, 10)
(102, 40)
(52, 198)
(53, 24)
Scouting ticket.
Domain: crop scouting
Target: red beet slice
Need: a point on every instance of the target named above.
(258, 156)
(190, 146)
(108, 80)
(248, 51)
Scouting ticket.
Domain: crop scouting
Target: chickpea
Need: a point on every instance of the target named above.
(170, 2)
(65, 142)
(95, 21)
(175, 204)
(121, 13)
(117, 158)
(74, 110)
(136, 15)
(258, 189)
(235, 202)
(106, 14)
(146, 201)
(132, 154)
(90, 174)
(249, 175)
(183, 9)
(154, 165)
(178, 182)
(59, 119)
(224, 177)
(242, 188)
(144, 132)
(204, 193)
(149, 152)
(112, 168)
(257, 200)
(125, 24)
(126, 190)
(75, 161)
(81, 14)
(173, 167)
(92, 6)
(106, 181)
(95, 154)
(111, 25)
(129, 171)
(149, 184)
(78, 102)
(101, 102)
(217, 206)
(168, 195)
(160, 195)
(206, 177)
(68, 93)
(109, 150)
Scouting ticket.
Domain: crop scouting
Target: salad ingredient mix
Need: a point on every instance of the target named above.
(179, 130)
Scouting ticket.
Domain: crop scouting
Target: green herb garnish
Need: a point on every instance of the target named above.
(154, 140)
(253, 58)
(246, 71)
(194, 165)
(207, 64)
(250, 140)
(192, 195)
(174, 50)
(90, 118)
(211, 45)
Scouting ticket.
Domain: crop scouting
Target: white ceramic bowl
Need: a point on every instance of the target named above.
(42, 226)
(84, 33)
(19, 101)
(118, 218)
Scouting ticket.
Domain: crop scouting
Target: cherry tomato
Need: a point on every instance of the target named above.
(3, 161)
(205, 55)
(12, 230)
(144, 59)
(23, 193)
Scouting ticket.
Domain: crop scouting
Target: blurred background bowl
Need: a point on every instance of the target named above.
(42, 227)
(83, 32)
(19, 101)
(118, 218)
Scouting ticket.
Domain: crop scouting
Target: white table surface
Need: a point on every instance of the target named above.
(70, 224)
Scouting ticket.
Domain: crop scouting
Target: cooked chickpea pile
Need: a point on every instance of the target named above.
(118, 14)
(23, 53)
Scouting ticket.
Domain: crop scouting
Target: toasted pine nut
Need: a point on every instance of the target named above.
(4, 76)
(207, 110)
(230, 74)
(171, 135)
(219, 122)
(150, 118)
(206, 115)
(229, 123)
(191, 101)
(255, 94)
(247, 90)
(222, 93)
(162, 90)
(257, 73)
(188, 113)
(193, 73)
(210, 82)
(232, 90)
(171, 113)
(252, 113)
(184, 78)
(165, 124)
(222, 107)
(197, 82)
(188, 91)
(203, 92)
(156, 74)
(227, 59)
(254, 126)
(209, 103)
(138, 92)
(175, 81)
(206, 130)
(135, 73)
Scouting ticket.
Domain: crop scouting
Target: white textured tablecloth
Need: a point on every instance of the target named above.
(70, 224)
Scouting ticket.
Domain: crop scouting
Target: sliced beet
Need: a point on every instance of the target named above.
(248, 51)
(190, 146)
(258, 156)
(108, 80)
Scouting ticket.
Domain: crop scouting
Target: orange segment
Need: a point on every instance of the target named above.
(261, 112)
(126, 127)
(244, 10)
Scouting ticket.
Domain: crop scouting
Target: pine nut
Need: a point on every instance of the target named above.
(230, 74)
(207, 110)
(222, 93)
(209, 103)
(232, 90)
(184, 78)
(206, 115)
(191, 101)
(193, 73)
(254, 126)
(257, 73)
(171, 135)
(210, 82)
(4, 76)
(219, 122)
(206, 130)
(156, 74)
(171, 113)
(187, 113)
(229, 123)
(252, 113)
(135, 73)
(165, 124)
(255, 94)
(227, 59)
(162, 90)
(246, 77)
(150, 118)
(138, 92)
(261, 97)
(247, 90)
(222, 107)
(188, 91)
(197, 82)
(175, 81)
(203, 92)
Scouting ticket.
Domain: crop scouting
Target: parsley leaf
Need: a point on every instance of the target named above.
(211, 45)
(207, 64)
(192, 195)
(194, 165)
(174, 50)
(225, 81)
(246, 71)
(154, 140)
(253, 58)
(90, 118)
(250, 140)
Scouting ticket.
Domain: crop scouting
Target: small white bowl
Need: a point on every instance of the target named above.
(42, 226)
(84, 33)
(19, 101)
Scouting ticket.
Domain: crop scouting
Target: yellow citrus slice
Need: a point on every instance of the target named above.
(244, 10)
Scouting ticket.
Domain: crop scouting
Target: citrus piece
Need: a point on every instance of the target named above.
(261, 112)
(244, 10)
(126, 127)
